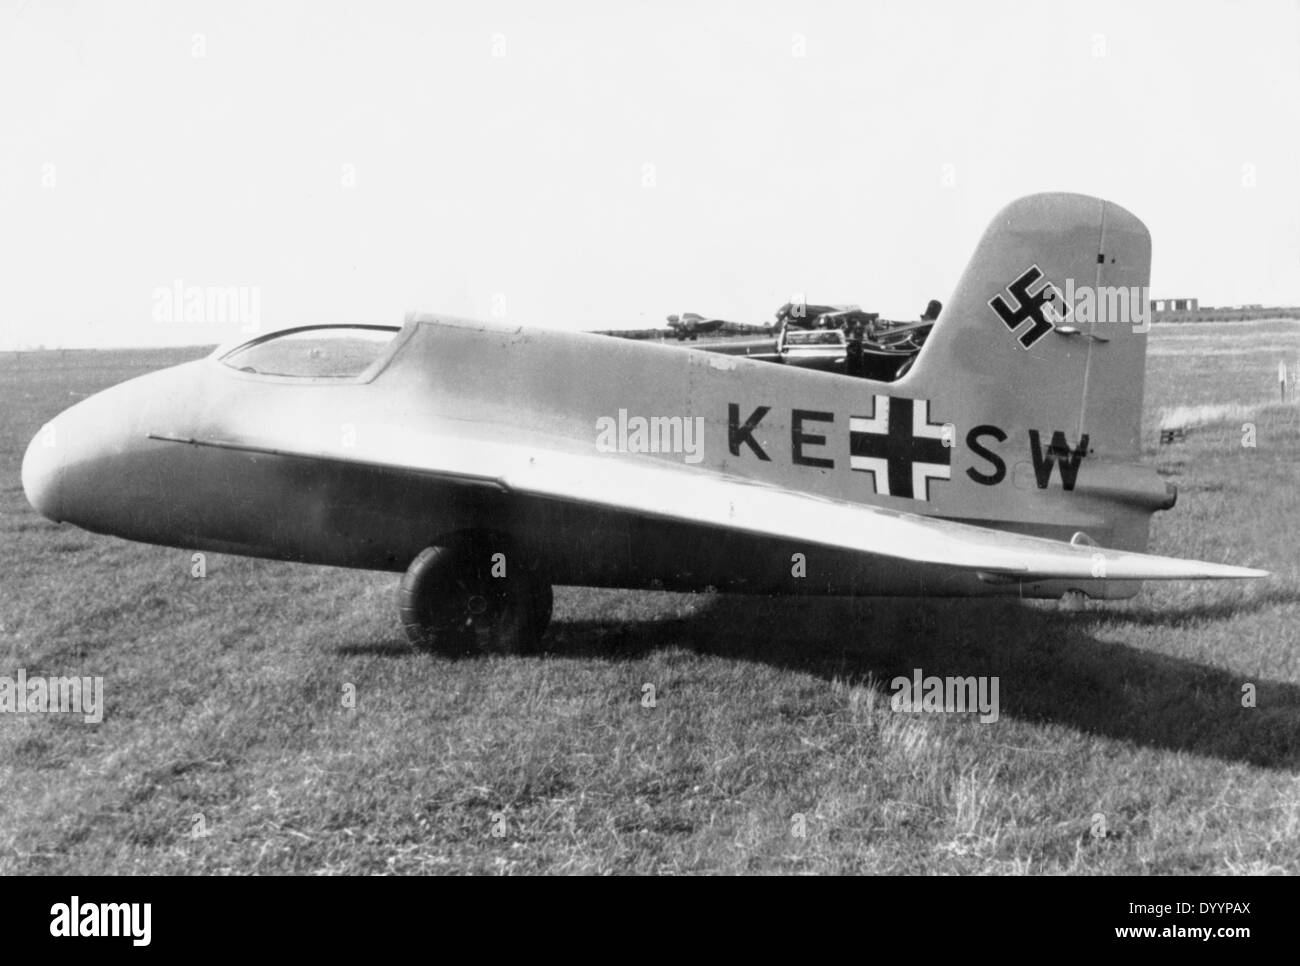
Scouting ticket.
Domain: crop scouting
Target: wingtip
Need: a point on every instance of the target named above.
(1207, 571)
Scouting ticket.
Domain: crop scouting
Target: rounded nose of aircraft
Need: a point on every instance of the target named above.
(94, 466)
(42, 470)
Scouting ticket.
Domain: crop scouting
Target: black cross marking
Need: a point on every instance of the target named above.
(900, 449)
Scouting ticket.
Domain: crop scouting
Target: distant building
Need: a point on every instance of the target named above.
(1175, 305)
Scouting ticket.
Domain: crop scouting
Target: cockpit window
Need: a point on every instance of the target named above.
(814, 337)
(319, 352)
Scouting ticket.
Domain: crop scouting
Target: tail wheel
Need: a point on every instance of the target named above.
(471, 594)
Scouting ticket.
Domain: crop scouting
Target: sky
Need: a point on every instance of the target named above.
(602, 164)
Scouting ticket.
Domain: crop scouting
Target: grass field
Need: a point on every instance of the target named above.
(226, 746)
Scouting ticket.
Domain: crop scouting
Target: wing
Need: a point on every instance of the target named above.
(558, 468)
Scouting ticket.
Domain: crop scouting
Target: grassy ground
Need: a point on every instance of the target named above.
(1122, 745)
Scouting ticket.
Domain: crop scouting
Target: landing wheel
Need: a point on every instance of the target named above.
(472, 594)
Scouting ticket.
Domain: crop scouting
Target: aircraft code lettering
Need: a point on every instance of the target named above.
(903, 451)
(895, 443)
(975, 446)
(798, 438)
(737, 434)
(1057, 449)
(1058, 454)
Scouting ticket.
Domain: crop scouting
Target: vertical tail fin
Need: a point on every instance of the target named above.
(1042, 350)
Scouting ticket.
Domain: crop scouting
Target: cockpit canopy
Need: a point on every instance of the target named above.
(313, 352)
(801, 337)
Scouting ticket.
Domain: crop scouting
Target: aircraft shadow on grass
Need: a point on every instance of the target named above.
(1051, 668)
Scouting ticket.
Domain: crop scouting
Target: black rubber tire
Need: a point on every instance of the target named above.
(449, 603)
